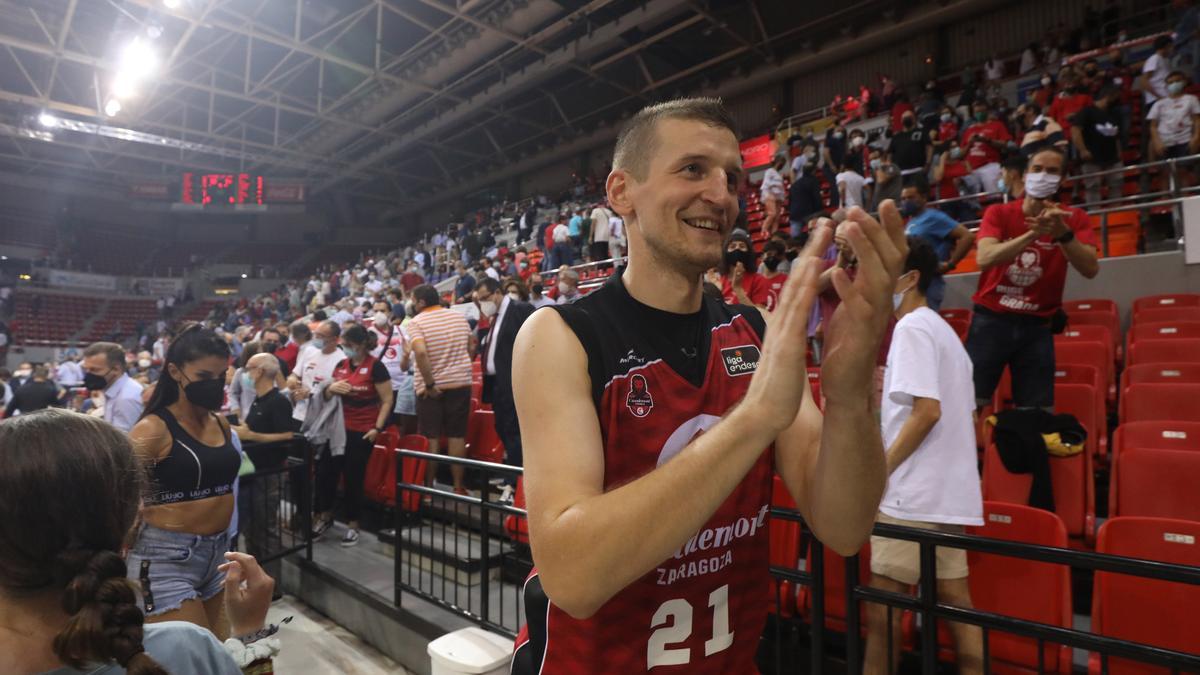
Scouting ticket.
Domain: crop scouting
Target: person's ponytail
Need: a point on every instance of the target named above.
(105, 620)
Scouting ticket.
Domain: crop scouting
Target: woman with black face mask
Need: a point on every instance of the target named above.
(741, 284)
(189, 452)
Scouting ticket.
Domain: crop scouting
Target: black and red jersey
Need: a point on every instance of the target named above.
(702, 610)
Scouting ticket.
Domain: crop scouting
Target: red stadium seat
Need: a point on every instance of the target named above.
(1151, 401)
(1091, 333)
(482, 442)
(956, 313)
(814, 381)
(961, 327)
(1089, 353)
(1071, 477)
(1164, 351)
(1078, 373)
(380, 479)
(785, 550)
(516, 526)
(1156, 435)
(1164, 330)
(1168, 313)
(1045, 595)
(1090, 305)
(1156, 483)
(1150, 611)
(1166, 300)
(1161, 373)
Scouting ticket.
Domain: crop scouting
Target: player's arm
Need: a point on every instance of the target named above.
(835, 470)
(589, 544)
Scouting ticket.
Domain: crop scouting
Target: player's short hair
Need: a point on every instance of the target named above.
(638, 140)
(113, 353)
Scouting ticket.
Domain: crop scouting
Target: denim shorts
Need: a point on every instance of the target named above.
(174, 567)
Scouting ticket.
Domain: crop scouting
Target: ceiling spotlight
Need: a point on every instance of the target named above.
(244, 275)
(112, 107)
(154, 31)
(47, 120)
(138, 60)
(171, 4)
(123, 87)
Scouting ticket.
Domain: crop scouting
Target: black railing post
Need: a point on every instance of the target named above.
(398, 526)
(928, 584)
(817, 629)
(484, 553)
(853, 620)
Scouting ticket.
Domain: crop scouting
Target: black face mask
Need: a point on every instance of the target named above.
(792, 255)
(732, 258)
(771, 263)
(537, 289)
(270, 347)
(207, 394)
(94, 382)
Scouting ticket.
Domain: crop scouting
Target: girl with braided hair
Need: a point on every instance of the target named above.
(70, 492)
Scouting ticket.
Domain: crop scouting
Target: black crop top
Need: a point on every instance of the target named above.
(193, 470)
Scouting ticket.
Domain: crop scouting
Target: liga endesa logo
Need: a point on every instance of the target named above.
(740, 360)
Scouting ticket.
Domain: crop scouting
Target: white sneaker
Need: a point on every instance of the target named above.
(351, 538)
(506, 495)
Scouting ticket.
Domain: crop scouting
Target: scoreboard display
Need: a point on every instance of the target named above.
(211, 189)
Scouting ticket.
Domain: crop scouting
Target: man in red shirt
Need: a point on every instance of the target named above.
(1024, 248)
(741, 284)
(983, 140)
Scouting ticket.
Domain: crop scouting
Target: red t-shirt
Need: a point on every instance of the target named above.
(980, 153)
(753, 284)
(288, 353)
(774, 289)
(898, 110)
(947, 131)
(361, 406)
(1033, 282)
(1065, 106)
(946, 189)
(410, 280)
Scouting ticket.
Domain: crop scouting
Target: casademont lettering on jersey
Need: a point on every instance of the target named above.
(712, 539)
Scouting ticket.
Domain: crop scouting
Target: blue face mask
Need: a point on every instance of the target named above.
(1001, 185)
(247, 381)
(350, 352)
(318, 343)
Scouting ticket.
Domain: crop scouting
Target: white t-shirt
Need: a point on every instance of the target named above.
(1156, 69)
(772, 185)
(390, 354)
(939, 482)
(1175, 118)
(314, 367)
(600, 225)
(854, 186)
(994, 69)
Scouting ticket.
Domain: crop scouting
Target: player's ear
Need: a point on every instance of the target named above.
(618, 187)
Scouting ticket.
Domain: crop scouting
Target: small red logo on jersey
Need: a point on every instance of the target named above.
(639, 400)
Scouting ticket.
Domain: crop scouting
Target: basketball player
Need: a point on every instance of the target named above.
(654, 418)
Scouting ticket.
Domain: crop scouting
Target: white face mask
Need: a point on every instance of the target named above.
(487, 308)
(143, 363)
(564, 288)
(898, 298)
(381, 320)
(1041, 185)
(515, 296)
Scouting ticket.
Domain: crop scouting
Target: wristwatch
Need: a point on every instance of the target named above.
(1066, 238)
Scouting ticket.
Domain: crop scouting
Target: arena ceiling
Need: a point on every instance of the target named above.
(388, 100)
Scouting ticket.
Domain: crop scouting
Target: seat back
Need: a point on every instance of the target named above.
(1160, 613)
(1168, 313)
(1078, 373)
(1156, 483)
(1161, 402)
(961, 327)
(1156, 435)
(1160, 373)
(784, 549)
(516, 526)
(1091, 353)
(835, 585)
(1164, 330)
(1077, 318)
(1170, 300)
(1179, 350)
(412, 471)
(381, 466)
(959, 313)
(1090, 305)
(1091, 333)
(1045, 594)
(482, 441)
(1071, 477)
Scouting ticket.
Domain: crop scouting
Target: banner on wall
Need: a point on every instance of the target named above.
(757, 151)
(158, 286)
(91, 282)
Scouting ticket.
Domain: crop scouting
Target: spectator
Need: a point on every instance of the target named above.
(1024, 249)
(833, 154)
(562, 253)
(443, 348)
(497, 375)
(774, 259)
(301, 335)
(1043, 96)
(271, 338)
(949, 240)
(1154, 78)
(70, 549)
(808, 154)
(771, 193)
(856, 155)
(568, 285)
(6, 392)
(1095, 136)
(948, 125)
(1173, 125)
(933, 483)
(69, 373)
(850, 186)
(366, 390)
(36, 394)
(575, 229)
(269, 417)
(412, 277)
(601, 233)
(314, 368)
(1012, 177)
(947, 175)
(22, 374)
(1037, 129)
(463, 287)
(885, 180)
(536, 292)
(394, 352)
(804, 197)
(104, 369)
(1073, 98)
(1029, 59)
(993, 70)
(242, 397)
(899, 109)
(910, 148)
(984, 140)
(741, 284)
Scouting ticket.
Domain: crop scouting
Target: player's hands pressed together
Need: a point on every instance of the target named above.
(779, 385)
(856, 330)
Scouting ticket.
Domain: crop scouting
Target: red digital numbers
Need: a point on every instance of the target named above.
(222, 188)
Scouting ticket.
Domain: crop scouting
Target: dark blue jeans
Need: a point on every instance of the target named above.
(1023, 343)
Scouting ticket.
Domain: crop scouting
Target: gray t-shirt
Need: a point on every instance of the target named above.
(179, 647)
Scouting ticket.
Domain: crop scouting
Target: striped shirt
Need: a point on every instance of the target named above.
(447, 338)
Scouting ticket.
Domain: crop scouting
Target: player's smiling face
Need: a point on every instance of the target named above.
(687, 204)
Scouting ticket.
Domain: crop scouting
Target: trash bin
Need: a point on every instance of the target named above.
(470, 651)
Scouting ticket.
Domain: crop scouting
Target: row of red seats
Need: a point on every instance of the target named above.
(1125, 607)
